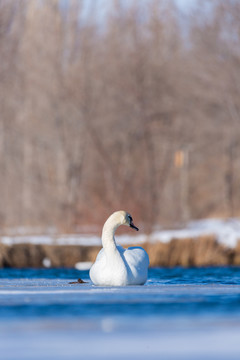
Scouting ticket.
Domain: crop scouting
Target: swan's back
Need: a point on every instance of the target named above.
(108, 271)
(131, 270)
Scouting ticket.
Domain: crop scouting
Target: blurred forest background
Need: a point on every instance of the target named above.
(137, 109)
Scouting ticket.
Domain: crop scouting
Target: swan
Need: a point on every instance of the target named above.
(114, 265)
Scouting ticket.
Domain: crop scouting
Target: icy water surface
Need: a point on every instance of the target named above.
(178, 314)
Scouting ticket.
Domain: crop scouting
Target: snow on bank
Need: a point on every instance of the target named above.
(227, 232)
(72, 239)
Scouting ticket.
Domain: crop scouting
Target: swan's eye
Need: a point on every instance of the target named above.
(130, 218)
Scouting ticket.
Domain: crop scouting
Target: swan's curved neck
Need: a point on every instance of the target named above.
(108, 240)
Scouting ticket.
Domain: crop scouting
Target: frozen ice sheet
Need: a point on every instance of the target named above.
(65, 340)
(51, 319)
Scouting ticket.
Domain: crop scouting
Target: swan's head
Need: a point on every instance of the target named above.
(125, 218)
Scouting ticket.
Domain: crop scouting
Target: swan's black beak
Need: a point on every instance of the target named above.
(133, 226)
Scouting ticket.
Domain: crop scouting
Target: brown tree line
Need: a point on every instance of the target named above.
(138, 109)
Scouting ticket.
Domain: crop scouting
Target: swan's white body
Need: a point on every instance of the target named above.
(114, 265)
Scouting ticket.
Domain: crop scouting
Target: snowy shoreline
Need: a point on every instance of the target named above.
(226, 232)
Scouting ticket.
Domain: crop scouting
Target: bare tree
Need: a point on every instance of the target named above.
(93, 112)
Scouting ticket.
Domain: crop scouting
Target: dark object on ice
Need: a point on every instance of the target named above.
(79, 281)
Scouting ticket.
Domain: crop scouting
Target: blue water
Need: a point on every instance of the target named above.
(168, 292)
(178, 314)
(176, 276)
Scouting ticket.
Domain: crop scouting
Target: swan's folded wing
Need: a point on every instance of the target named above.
(136, 255)
(138, 262)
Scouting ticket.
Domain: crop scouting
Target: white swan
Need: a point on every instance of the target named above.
(114, 265)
